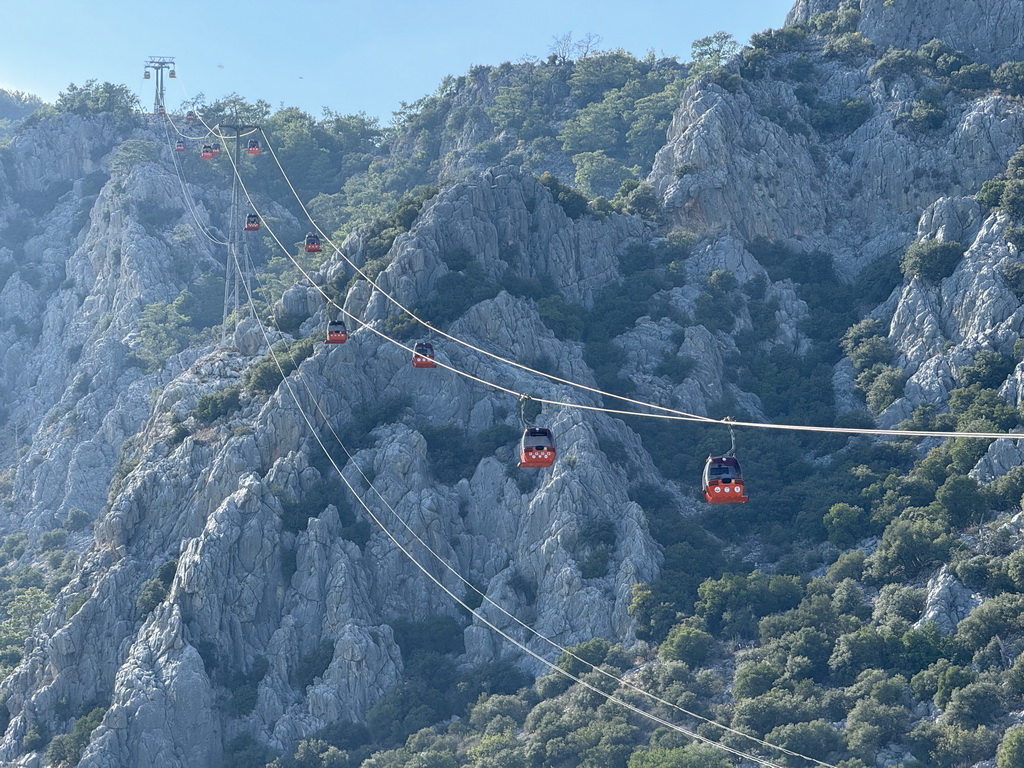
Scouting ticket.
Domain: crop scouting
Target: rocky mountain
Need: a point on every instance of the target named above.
(231, 544)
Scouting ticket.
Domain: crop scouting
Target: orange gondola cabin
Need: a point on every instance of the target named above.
(336, 332)
(253, 148)
(207, 152)
(312, 244)
(179, 146)
(423, 355)
(252, 222)
(723, 480)
(537, 448)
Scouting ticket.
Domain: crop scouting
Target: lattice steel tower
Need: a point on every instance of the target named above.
(158, 64)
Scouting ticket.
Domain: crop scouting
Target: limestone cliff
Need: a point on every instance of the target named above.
(246, 555)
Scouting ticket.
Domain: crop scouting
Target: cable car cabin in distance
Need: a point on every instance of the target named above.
(423, 355)
(207, 152)
(190, 116)
(312, 244)
(215, 149)
(253, 148)
(537, 448)
(252, 222)
(336, 332)
(723, 480)
(179, 146)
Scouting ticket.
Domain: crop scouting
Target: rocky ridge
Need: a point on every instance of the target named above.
(248, 591)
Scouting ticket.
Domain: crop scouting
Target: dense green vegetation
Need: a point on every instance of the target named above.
(14, 106)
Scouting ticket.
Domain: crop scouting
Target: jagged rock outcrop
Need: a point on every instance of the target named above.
(948, 602)
(936, 330)
(988, 31)
(251, 592)
(854, 196)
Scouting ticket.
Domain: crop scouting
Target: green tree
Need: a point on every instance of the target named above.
(849, 46)
(1011, 748)
(972, 77)
(163, 332)
(1012, 199)
(213, 405)
(711, 52)
(991, 192)
(130, 154)
(15, 105)
(846, 524)
(25, 611)
(686, 643)
(873, 351)
(932, 260)
(690, 756)
(67, 748)
(754, 678)
(885, 387)
(989, 369)
(894, 63)
(572, 202)
(962, 499)
(643, 201)
(593, 76)
(649, 120)
(234, 109)
(907, 546)
(598, 174)
(816, 739)
(1009, 77)
(98, 98)
(974, 704)
(601, 125)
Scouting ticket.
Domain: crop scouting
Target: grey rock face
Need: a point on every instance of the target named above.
(256, 589)
(854, 196)
(948, 602)
(802, 10)
(936, 330)
(989, 31)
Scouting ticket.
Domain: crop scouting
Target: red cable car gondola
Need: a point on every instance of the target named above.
(190, 116)
(252, 222)
(423, 355)
(537, 448)
(336, 332)
(146, 75)
(179, 147)
(312, 244)
(215, 149)
(722, 480)
(207, 152)
(253, 148)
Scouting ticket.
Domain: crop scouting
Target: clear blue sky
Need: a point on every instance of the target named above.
(352, 57)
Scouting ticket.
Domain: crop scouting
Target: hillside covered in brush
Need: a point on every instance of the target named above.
(226, 543)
